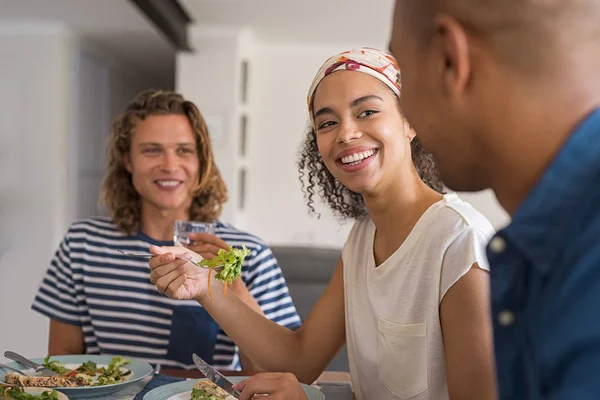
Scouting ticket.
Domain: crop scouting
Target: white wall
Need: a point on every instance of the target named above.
(102, 88)
(209, 78)
(281, 76)
(57, 97)
(34, 101)
(90, 109)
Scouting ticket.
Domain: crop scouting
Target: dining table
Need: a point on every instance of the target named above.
(334, 385)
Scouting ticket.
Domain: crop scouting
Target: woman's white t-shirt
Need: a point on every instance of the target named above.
(393, 328)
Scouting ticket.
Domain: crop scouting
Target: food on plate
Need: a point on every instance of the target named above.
(207, 390)
(86, 374)
(231, 261)
(91, 372)
(18, 393)
(44, 381)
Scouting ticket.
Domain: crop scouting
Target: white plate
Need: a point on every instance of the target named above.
(183, 390)
(37, 390)
(139, 370)
(73, 366)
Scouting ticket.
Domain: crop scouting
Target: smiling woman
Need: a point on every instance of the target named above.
(314, 169)
(409, 295)
(413, 256)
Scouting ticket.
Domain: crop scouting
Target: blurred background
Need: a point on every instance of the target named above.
(68, 67)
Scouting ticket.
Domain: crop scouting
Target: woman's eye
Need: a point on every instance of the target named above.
(185, 150)
(326, 124)
(367, 113)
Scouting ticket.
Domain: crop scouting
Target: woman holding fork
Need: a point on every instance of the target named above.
(410, 292)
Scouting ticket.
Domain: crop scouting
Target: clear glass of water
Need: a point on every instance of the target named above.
(183, 229)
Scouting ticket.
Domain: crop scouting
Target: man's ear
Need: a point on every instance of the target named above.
(127, 163)
(452, 43)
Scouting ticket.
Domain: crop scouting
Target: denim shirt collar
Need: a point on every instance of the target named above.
(547, 218)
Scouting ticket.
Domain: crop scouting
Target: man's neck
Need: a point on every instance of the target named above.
(529, 138)
(159, 224)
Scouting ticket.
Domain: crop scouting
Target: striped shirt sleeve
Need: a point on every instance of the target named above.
(57, 295)
(266, 283)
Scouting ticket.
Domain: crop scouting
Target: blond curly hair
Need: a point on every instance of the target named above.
(118, 194)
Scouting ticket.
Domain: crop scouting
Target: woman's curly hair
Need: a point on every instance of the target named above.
(318, 181)
(118, 193)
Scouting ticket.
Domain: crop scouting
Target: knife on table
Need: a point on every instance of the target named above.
(215, 376)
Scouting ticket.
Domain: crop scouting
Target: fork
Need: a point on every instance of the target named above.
(39, 368)
(150, 255)
(6, 367)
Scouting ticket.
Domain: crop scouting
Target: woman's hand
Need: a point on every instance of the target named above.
(276, 386)
(178, 279)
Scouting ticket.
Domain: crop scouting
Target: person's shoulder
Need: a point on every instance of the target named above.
(359, 229)
(455, 215)
(94, 222)
(94, 227)
(358, 236)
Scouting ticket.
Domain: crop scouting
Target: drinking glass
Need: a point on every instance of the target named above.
(184, 228)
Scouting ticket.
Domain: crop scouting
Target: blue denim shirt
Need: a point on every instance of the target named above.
(545, 278)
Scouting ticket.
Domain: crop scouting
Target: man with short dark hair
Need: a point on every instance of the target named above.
(506, 95)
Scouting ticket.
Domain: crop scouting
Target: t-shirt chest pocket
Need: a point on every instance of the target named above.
(402, 357)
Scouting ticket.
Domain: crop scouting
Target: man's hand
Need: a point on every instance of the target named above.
(277, 386)
(206, 244)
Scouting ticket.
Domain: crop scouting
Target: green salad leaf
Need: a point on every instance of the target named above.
(88, 367)
(104, 375)
(113, 373)
(199, 394)
(231, 261)
(55, 366)
(17, 393)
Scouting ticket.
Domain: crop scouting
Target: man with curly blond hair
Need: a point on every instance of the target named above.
(161, 168)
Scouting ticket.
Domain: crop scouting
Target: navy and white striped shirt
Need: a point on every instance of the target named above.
(89, 284)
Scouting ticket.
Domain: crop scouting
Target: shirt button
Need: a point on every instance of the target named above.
(506, 318)
(498, 245)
